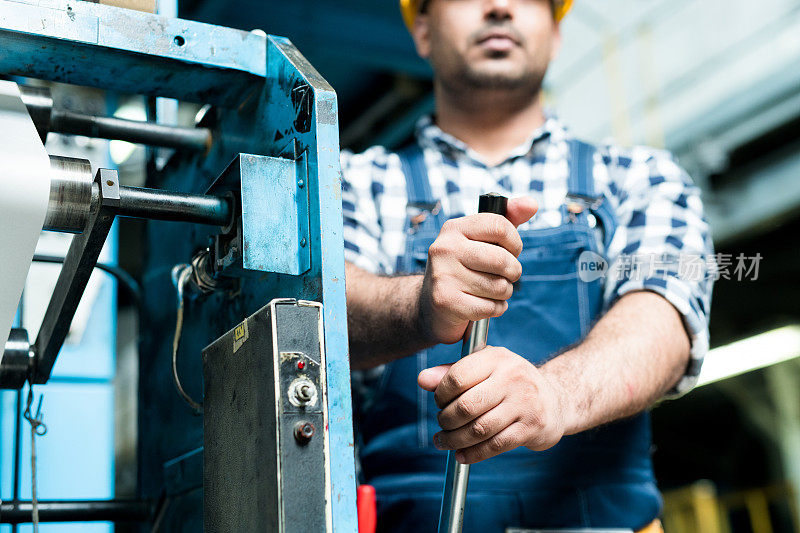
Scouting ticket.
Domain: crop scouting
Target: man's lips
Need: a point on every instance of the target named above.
(499, 42)
(497, 33)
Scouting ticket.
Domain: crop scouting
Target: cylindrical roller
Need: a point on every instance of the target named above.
(46, 118)
(70, 195)
(16, 360)
(198, 139)
(73, 193)
(166, 205)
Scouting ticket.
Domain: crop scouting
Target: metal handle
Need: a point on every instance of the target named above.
(456, 478)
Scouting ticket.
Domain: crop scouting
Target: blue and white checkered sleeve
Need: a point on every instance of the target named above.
(662, 244)
(362, 227)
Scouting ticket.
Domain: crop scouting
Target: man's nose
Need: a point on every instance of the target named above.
(498, 9)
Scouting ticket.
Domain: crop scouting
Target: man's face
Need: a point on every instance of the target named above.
(488, 44)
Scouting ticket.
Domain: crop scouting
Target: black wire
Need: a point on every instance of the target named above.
(128, 281)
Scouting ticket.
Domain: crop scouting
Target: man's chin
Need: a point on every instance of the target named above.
(497, 78)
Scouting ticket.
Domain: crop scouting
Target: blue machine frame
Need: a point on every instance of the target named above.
(267, 101)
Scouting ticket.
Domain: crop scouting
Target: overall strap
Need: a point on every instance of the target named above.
(580, 187)
(412, 162)
(418, 186)
(581, 169)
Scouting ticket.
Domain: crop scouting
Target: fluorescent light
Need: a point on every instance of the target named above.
(759, 351)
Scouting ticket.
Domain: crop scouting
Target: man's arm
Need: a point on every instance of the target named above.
(382, 317)
(494, 400)
(632, 357)
(471, 268)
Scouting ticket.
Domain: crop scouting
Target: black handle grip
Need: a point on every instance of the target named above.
(493, 203)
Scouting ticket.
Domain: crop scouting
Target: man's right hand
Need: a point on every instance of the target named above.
(472, 266)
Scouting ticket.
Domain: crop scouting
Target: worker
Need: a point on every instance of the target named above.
(592, 318)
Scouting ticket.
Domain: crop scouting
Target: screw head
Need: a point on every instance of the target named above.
(303, 432)
(303, 242)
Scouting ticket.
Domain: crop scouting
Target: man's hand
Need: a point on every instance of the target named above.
(472, 266)
(493, 401)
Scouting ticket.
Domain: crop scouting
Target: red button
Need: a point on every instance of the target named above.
(301, 365)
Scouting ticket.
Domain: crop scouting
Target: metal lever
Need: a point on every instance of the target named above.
(456, 478)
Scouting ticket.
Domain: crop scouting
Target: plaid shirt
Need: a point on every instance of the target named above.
(658, 210)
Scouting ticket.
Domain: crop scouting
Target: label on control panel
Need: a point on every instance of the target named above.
(240, 335)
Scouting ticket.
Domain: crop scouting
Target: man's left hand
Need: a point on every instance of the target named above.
(493, 401)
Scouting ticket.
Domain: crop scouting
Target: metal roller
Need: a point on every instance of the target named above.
(148, 133)
(46, 117)
(70, 195)
(16, 361)
(73, 195)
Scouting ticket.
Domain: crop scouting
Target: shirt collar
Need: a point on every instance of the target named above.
(431, 136)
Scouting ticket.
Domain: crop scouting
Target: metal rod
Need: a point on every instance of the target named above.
(454, 497)
(18, 421)
(73, 193)
(17, 450)
(165, 205)
(148, 133)
(19, 512)
(454, 500)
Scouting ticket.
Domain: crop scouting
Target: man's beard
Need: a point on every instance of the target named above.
(466, 77)
(481, 79)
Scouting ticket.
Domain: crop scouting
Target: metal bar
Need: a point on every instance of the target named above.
(17, 450)
(451, 515)
(151, 134)
(17, 471)
(78, 511)
(454, 497)
(74, 193)
(78, 265)
(141, 53)
(165, 205)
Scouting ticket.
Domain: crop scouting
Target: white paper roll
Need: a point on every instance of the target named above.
(24, 193)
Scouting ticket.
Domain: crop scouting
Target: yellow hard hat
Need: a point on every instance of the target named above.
(410, 8)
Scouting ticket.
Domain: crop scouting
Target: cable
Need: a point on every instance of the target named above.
(182, 274)
(38, 428)
(120, 274)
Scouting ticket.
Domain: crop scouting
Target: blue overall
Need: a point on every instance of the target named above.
(598, 478)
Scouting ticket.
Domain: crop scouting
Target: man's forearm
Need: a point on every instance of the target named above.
(631, 358)
(382, 317)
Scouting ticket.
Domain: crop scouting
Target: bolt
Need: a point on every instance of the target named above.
(303, 431)
(301, 183)
(303, 242)
(305, 393)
